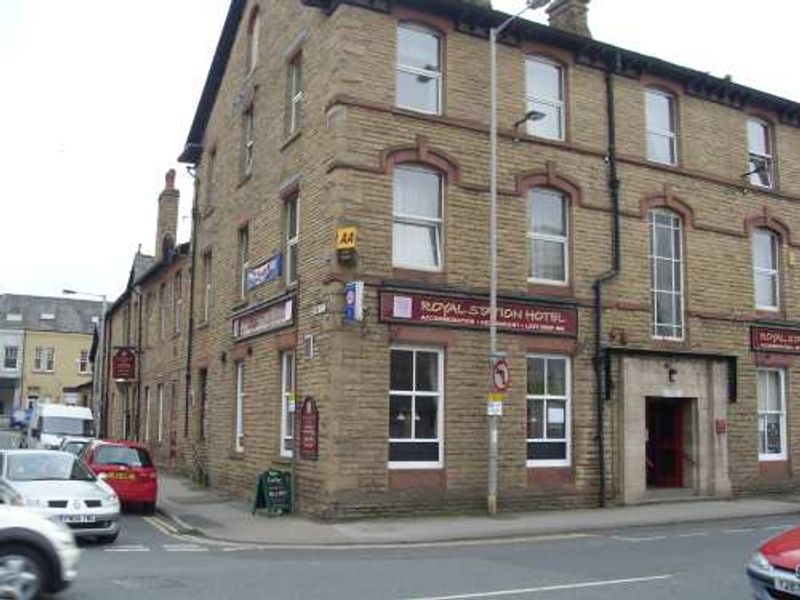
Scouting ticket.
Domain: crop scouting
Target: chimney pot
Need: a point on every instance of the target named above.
(571, 16)
(169, 180)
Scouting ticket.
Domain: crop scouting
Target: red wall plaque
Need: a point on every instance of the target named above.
(775, 339)
(455, 311)
(123, 365)
(309, 429)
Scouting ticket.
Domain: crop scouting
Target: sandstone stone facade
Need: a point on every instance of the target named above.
(337, 168)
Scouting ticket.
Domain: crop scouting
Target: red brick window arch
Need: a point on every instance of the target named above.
(253, 38)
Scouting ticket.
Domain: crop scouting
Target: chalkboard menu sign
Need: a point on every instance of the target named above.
(274, 492)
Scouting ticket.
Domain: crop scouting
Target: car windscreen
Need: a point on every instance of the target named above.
(122, 455)
(39, 466)
(74, 447)
(68, 426)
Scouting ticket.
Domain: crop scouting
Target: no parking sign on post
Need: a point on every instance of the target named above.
(501, 380)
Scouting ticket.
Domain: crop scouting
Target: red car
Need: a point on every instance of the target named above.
(126, 466)
(774, 570)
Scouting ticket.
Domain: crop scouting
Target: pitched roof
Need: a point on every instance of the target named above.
(43, 313)
(476, 20)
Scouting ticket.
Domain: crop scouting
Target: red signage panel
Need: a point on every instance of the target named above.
(455, 311)
(123, 365)
(263, 319)
(775, 339)
(309, 429)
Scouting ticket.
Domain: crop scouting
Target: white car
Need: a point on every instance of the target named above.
(37, 554)
(60, 485)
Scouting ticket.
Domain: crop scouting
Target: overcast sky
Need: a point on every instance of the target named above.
(98, 96)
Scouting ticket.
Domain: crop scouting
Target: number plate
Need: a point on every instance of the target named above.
(788, 586)
(77, 518)
(120, 475)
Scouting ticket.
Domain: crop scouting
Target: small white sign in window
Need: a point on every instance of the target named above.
(402, 307)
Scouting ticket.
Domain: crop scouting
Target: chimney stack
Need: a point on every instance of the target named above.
(571, 16)
(167, 225)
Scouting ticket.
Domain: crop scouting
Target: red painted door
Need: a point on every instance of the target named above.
(664, 443)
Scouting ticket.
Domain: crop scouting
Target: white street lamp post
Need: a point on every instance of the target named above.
(494, 32)
(98, 375)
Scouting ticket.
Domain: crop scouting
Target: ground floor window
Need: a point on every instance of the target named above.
(548, 395)
(415, 407)
(147, 413)
(202, 391)
(287, 402)
(160, 429)
(238, 442)
(771, 415)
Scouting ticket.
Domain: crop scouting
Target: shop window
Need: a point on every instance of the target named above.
(666, 263)
(548, 397)
(548, 237)
(766, 249)
(287, 402)
(238, 441)
(771, 415)
(661, 127)
(417, 230)
(759, 142)
(415, 408)
(544, 96)
(419, 69)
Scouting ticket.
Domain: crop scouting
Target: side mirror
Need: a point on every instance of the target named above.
(37, 433)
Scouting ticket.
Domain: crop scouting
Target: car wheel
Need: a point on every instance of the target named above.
(108, 539)
(149, 508)
(23, 572)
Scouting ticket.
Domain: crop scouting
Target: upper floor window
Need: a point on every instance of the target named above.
(44, 359)
(162, 311)
(206, 286)
(666, 263)
(292, 239)
(210, 175)
(177, 301)
(766, 248)
(419, 69)
(294, 93)
(253, 35)
(83, 362)
(661, 132)
(11, 358)
(248, 141)
(544, 95)
(771, 415)
(417, 229)
(242, 259)
(759, 144)
(548, 236)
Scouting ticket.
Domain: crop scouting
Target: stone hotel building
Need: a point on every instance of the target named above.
(337, 311)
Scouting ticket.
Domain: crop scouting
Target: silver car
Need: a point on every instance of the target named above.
(60, 485)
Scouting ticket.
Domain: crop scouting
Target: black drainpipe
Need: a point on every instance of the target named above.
(599, 351)
(190, 326)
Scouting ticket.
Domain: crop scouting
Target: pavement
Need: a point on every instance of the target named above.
(206, 512)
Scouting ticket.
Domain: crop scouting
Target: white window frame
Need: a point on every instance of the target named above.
(567, 399)
(49, 360)
(160, 430)
(292, 241)
(207, 262)
(7, 351)
(556, 103)
(407, 465)
(288, 391)
(83, 362)
(147, 413)
(783, 455)
(755, 156)
(162, 311)
(411, 70)
(562, 239)
(249, 141)
(38, 359)
(671, 135)
(294, 91)
(654, 290)
(177, 302)
(773, 273)
(238, 432)
(254, 33)
(243, 250)
(418, 220)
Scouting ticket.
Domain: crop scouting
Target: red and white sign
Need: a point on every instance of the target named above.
(263, 319)
(473, 313)
(501, 375)
(309, 429)
(775, 339)
(123, 365)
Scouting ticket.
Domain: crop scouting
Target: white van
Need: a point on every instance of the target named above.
(51, 424)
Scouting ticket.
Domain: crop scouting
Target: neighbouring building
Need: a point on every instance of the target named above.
(46, 344)
(338, 267)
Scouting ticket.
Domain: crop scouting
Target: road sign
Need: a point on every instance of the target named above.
(501, 375)
(494, 409)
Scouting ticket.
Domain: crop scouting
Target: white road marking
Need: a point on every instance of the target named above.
(548, 588)
(184, 548)
(651, 538)
(129, 548)
(778, 527)
(692, 534)
(743, 530)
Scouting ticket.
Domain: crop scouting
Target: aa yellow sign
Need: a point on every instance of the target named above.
(346, 238)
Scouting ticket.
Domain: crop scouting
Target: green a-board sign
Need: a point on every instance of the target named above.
(274, 492)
